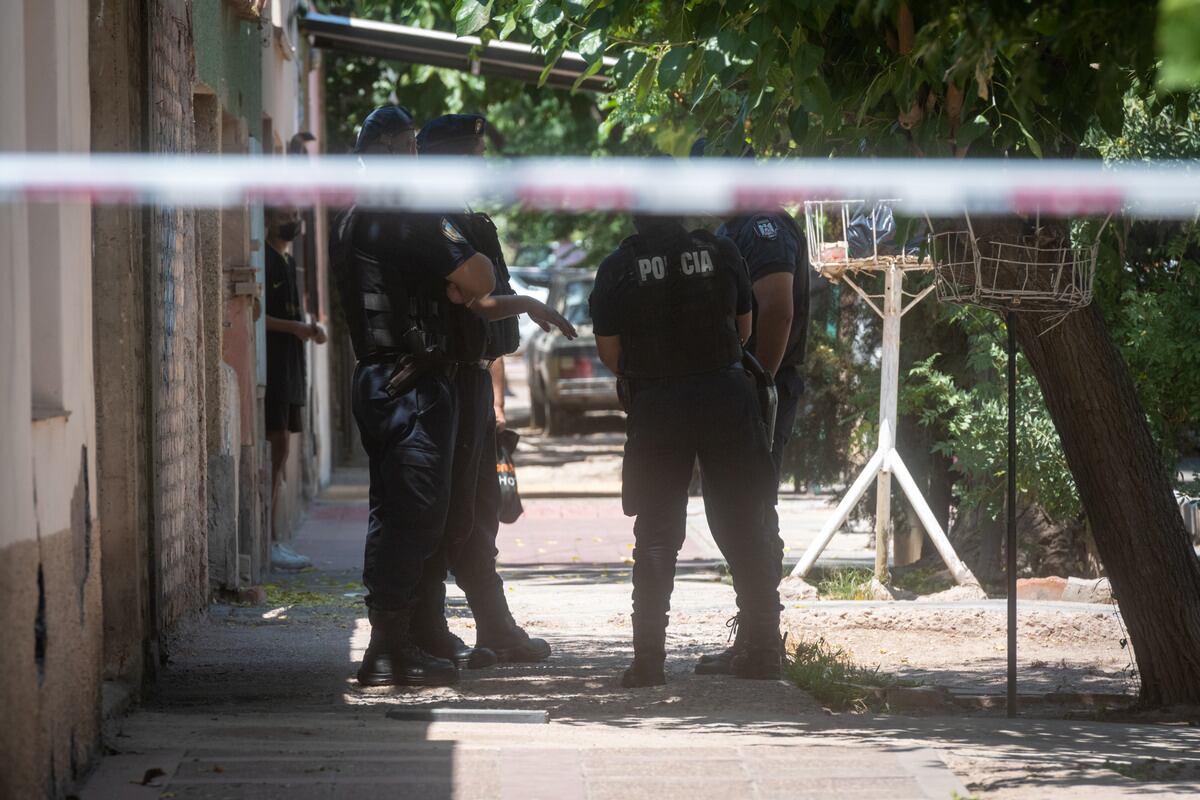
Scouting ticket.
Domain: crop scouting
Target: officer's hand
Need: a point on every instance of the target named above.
(302, 331)
(319, 335)
(501, 422)
(546, 317)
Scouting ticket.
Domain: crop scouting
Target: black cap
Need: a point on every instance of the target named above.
(449, 132)
(383, 121)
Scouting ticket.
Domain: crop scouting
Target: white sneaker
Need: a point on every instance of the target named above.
(283, 557)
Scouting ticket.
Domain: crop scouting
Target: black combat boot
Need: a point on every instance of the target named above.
(721, 663)
(392, 659)
(762, 658)
(500, 633)
(649, 653)
(431, 633)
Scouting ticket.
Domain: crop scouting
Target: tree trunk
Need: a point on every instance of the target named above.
(1137, 528)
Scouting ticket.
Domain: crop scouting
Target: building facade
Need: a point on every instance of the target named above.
(134, 471)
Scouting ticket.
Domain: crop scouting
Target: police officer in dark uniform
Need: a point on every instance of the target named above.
(670, 311)
(773, 246)
(469, 550)
(406, 282)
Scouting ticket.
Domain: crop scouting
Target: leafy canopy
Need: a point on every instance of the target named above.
(852, 77)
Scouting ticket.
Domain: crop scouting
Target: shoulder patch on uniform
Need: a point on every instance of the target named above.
(452, 233)
(766, 228)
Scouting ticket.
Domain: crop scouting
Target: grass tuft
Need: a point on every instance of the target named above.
(828, 673)
(845, 584)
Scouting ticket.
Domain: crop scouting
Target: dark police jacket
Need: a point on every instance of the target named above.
(390, 269)
(673, 297)
(503, 336)
(773, 242)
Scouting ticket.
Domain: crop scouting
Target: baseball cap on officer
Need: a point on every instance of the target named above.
(381, 129)
(452, 134)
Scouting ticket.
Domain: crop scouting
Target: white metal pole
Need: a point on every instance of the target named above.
(857, 490)
(889, 387)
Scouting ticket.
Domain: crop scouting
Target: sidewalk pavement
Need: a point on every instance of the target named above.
(259, 702)
(576, 531)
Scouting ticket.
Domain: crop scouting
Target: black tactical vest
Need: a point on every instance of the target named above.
(503, 335)
(384, 316)
(680, 315)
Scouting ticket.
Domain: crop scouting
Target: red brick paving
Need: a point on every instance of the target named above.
(552, 531)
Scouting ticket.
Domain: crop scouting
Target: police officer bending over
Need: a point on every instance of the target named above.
(469, 547)
(414, 295)
(670, 311)
(773, 246)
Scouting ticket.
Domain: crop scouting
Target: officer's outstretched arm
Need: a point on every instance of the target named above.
(609, 350)
(773, 294)
(474, 279)
(502, 306)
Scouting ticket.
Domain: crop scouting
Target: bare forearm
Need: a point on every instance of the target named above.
(771, 337)
(279, 325)
(497, 370)
(609, 350)
(496, 307)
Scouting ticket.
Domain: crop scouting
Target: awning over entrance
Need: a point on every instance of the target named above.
(441, 49)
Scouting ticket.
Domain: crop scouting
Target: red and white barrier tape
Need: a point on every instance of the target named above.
(703, 186)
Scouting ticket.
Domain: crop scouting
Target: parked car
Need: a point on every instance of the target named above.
(566, 378)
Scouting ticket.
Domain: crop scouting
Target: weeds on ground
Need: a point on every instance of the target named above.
(829, 674)
(845, 584)
(284, 595)
(923, 580)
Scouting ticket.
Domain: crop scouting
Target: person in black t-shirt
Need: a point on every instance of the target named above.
(287, 387)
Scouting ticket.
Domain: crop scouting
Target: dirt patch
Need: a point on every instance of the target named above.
(1060, 648)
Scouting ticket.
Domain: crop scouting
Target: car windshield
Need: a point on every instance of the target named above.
(575, 302)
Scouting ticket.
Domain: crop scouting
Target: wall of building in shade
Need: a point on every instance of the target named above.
(134, 473)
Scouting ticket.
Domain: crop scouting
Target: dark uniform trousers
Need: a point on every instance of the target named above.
(469, 547)
(409, 441)
(713, 417)
(790, 385)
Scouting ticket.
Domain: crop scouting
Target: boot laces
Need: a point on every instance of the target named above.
(732, 624)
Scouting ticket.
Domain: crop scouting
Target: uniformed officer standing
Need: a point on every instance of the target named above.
(774, 249)
(670, 311)
(406, 282)
(469, 550)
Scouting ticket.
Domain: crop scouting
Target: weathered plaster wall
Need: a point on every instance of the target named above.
(50, 559)
(118, 70)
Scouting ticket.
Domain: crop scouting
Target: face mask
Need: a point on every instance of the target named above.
(289, 230)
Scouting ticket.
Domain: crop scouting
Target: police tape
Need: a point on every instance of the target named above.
(647, 185)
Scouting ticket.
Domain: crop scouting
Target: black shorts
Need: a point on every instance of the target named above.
(284, 417)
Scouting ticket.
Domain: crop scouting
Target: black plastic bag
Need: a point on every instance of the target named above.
(510, 500)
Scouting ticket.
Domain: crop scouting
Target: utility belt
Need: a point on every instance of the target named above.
(628, 386)
(419, 359)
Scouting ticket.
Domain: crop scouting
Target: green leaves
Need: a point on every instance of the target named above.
(968, 132)
(672, 66)
(546, 20)
(1179, 44)
(591, 46)
(470, 16)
